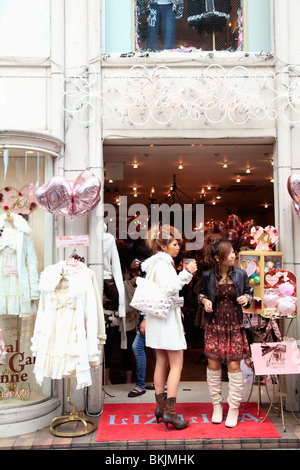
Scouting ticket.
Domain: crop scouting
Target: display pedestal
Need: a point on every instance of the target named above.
(70, 417)
(283, 393)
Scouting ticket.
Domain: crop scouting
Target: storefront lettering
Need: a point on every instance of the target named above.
(17, 363)
(202, 418)
(140, 419)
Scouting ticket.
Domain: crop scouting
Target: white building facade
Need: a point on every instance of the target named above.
(88, 92)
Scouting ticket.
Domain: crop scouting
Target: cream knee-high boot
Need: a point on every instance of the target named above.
(235, 397)
(214, 381)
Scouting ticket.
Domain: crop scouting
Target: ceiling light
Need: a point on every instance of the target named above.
(238, 180)
(225, 165)
(272, 180)
(134, 188)
(266, 206)
(135, 195)
(180, 166)
(135, 165)
(248, 170)
(214, 203)
(218, 197)
(111, 181)
(208, 187)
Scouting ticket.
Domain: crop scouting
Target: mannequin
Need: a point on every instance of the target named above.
(166, 12)
(18, 267)
(69, 324)
(114, 308)
(208, 15)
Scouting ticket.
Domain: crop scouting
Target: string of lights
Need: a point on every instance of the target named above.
(211, 94)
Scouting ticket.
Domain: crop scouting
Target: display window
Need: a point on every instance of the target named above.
(25, 250)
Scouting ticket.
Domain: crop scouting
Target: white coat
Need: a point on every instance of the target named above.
(161, 333)
(88, 328)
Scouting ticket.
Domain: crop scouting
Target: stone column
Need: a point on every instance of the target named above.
(283, 167)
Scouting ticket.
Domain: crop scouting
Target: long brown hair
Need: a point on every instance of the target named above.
(220, 247)
(159, 236)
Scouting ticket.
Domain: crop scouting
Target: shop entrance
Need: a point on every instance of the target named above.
(228, 176)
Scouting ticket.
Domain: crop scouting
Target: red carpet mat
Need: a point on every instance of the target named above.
(136, 422)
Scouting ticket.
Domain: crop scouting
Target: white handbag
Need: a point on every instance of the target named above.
(150, 298)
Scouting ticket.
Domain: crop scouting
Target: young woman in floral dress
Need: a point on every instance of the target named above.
(224, 290)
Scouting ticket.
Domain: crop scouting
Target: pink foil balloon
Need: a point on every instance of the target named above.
(297, 208)
(86, 193)
(294, 188)
(70, 199)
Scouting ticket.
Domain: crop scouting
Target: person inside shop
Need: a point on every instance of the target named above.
(166, 12)
(166, 335)
(141, 253)
(127, 266)
(224, 291)
(113, 300)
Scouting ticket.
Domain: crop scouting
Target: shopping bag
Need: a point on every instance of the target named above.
(150, 298)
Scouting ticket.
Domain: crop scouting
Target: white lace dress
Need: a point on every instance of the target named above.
(65, 340)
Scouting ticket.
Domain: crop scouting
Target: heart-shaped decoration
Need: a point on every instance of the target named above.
(293, 186)
(271, 280)
(68, 198)
(264, 238)
(297, 208)
(17, 201)
(251, 268)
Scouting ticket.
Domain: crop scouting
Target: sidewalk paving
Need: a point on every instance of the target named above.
(189, 391)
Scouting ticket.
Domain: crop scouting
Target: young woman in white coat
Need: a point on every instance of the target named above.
(166, 336)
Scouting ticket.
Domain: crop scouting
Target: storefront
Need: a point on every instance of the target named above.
(169, 113)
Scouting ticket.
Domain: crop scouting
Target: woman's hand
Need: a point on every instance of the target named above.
(143, 326)
(242, 300)
(192, 267)
(207, 305)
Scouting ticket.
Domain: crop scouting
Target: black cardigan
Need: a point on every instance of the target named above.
(207, 289)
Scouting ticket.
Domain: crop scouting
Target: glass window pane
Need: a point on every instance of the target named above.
(24, 239)
(194, 24)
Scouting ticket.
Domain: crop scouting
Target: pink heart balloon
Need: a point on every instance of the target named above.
(86, 193)
(56, 197)
(293, 186)
(297, 208)
(67, 198)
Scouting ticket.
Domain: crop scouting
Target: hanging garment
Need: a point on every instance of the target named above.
(208, 15)
(112, 271)
(3, 351)
(67, 328)
(18, 267)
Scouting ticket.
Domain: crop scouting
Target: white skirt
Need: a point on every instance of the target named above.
(166, 333)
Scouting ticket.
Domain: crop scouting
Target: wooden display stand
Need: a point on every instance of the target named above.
(255, 263)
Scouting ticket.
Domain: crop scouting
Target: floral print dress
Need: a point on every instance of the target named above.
(225, 336)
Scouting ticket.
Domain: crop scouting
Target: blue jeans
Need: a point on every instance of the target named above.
(168, 20)
(138, 348)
